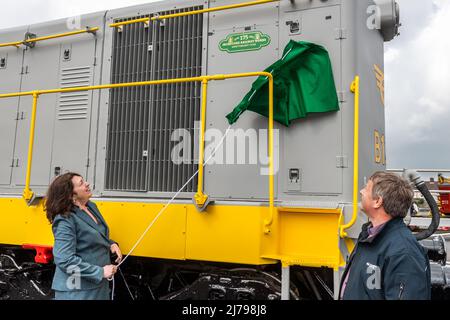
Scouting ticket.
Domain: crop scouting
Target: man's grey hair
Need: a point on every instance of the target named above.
(397, 193)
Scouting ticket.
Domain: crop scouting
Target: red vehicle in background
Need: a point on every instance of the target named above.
(444, 198)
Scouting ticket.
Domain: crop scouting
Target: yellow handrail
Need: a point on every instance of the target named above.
(182, 14)
(146, 21)
(61, 35)
(269, 221)
(355, 89)
(11, 44)
(200, 197)
(28, 193)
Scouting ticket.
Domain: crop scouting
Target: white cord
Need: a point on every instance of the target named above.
(166, 206)
(113, 287)
(126, 284)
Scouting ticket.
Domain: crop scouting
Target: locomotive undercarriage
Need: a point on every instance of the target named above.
(154, 279)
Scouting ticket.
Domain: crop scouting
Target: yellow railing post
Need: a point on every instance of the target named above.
(200, 197)
(269, 222)
(355, 89)
(27, 193)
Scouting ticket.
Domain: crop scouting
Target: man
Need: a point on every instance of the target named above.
(387, 262)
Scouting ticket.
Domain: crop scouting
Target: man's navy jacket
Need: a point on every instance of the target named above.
(390, 265)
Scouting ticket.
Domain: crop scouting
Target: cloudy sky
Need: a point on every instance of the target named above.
(417, 73)
(417, 87)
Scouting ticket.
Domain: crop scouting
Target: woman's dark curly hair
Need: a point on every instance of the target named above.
(59, 196)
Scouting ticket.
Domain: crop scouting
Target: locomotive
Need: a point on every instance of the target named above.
(134, 98)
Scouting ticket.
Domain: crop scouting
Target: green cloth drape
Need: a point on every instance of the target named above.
(303, 84)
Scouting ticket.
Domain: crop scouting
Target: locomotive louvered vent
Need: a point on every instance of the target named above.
(73, 106)
(143, 119)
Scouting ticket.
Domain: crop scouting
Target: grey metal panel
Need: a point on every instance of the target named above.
(233, 180)
(41, 71)
(372, 110)
(291, 6)
(255, 16)
(142, 119)
(73, 114)
(10, 81)
(74, 105)
(362, 49)
(348, 58)
(313, 144)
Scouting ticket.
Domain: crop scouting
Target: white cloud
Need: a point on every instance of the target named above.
(391, 55)
(418, 103)
(439, 4)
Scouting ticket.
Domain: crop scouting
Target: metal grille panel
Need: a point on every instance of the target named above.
(142, 119)
(74, 106)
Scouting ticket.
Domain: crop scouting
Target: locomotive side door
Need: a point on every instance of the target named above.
(11, 59)
(63, 120)
(312, 146)
(40, 66)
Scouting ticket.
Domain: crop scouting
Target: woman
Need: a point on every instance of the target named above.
(82, 245)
